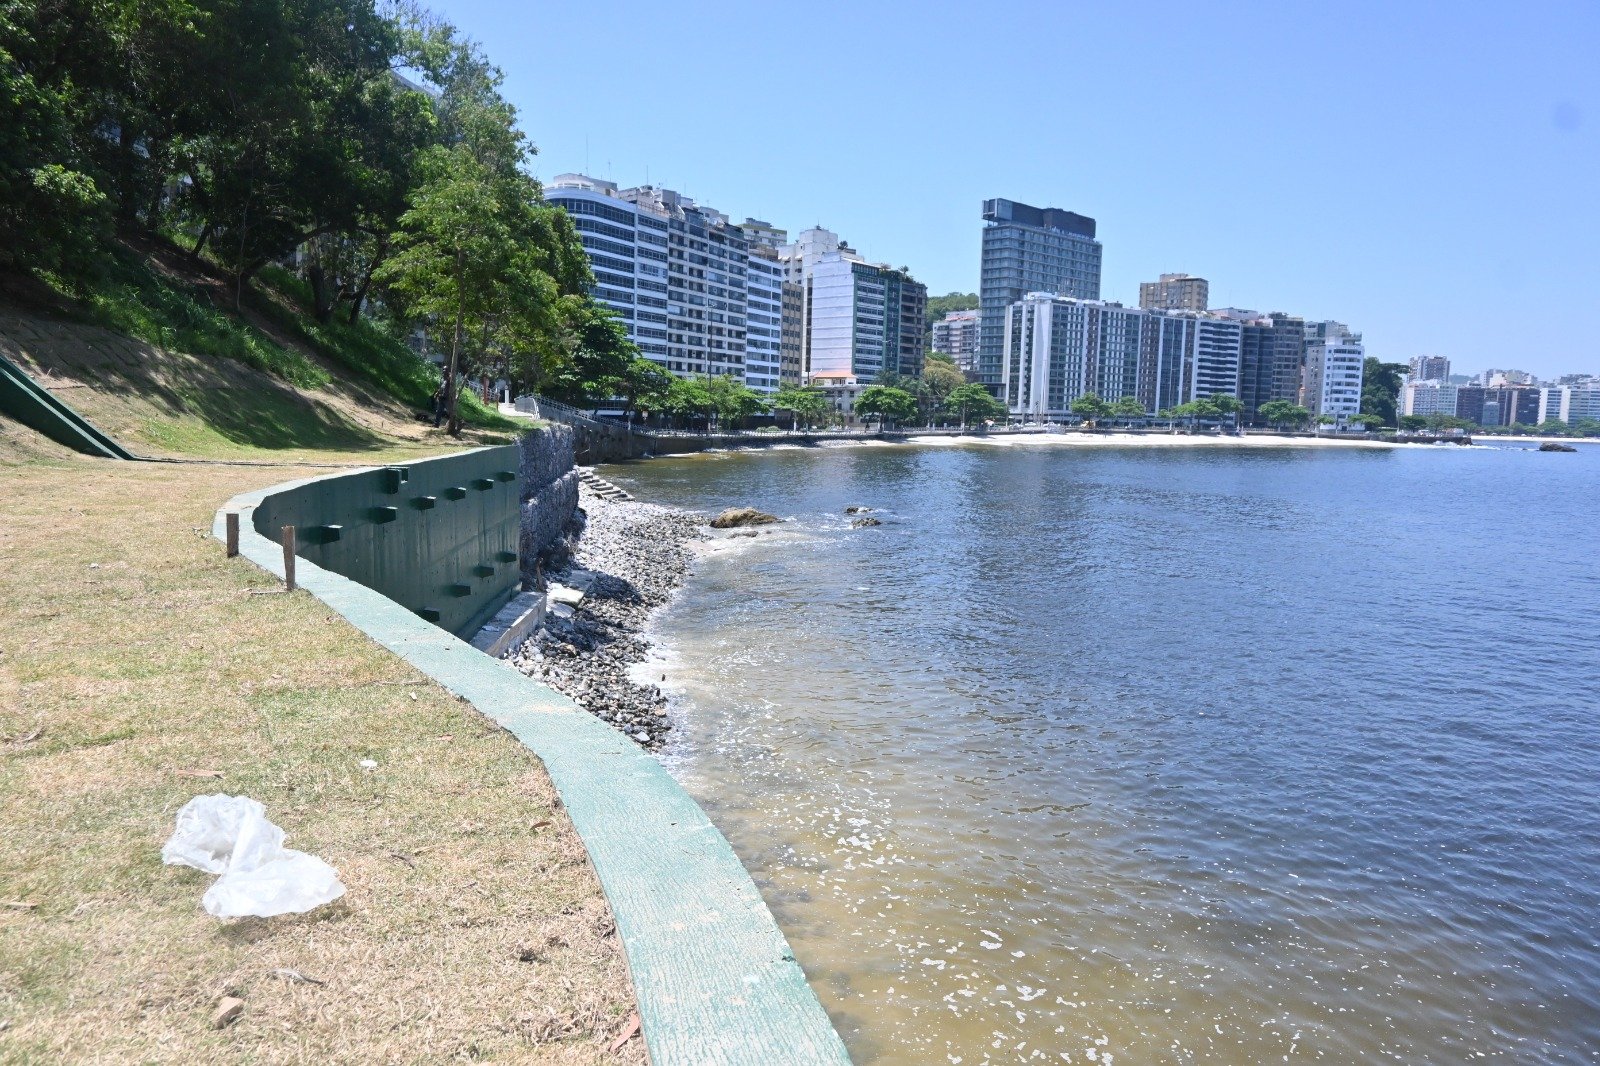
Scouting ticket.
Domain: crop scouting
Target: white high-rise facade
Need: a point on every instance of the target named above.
(1057, 348)
(859, 319)
(1570, 403)
(1428, 397)
(1335, 361)
(763, 353)
(677, 274)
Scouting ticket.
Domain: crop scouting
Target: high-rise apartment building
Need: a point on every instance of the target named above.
(1059, 348)
(1428, 397)
(1570, 403)
(1334, 365)
(765, 241)
(1029, 250)
(1429, 368)
(763, 348)
(674, 271)
(1510, 405)
(1175, 292)
(859, 320)
(1272, 347)
(956, 335)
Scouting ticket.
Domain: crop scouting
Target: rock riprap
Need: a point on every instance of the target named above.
(628, 559)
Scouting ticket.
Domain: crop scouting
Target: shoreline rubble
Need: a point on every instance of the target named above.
(629, 559)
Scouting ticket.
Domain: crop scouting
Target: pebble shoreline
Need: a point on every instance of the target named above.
(639, 553)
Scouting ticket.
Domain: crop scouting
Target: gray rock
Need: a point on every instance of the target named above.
(742, 516)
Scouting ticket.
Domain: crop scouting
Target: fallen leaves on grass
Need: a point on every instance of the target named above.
(627, 1033)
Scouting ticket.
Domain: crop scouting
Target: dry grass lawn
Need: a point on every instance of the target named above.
(132, 652)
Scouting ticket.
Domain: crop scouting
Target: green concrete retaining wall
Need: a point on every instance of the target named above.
(715, 980)
(438, 537)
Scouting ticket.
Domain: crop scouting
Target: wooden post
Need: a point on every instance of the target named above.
(288, 558)
(232, 520)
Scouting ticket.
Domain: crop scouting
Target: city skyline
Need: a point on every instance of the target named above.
(1404, 189)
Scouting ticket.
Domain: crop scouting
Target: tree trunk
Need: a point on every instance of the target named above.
(452, 397)
(321, 300)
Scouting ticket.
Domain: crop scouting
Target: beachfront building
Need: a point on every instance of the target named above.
(1059, 348)
(956, 335)
(674, 271)
(1271, 348)
(1511, 405)
(763, 348)
(858, 320)
(1428, 397)
(1175, 292)
(1569, 403)
(1334, 364)
(1028, 250)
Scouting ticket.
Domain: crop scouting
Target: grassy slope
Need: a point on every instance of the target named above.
(148, 351)
(131, 649)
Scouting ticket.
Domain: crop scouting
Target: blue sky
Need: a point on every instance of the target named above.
(1428, 173)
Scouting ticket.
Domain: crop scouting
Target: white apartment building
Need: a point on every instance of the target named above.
(1569, 403)
(1058, 348)
(1335, 360)
(859, 319)
(956, 335)
(1428, 397)
(674, 271)
(763, 352)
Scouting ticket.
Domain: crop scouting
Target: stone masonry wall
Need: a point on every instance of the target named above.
(549, 498)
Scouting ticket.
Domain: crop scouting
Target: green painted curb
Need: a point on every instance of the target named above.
(714, 977)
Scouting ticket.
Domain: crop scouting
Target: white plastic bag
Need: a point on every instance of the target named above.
(230, 835)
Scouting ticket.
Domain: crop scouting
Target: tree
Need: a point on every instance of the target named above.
(939, 379)
(1380, 389)
(731, 400)
(889, 404)
(1276, 412)
(973, 402)
(1370, 422)
(469, 263)
(808, 404)
(1128, 407)
(586, 360)
(689, 398)
(1224, 405)
(1413, 423)
(1090, 408)
(642, 384)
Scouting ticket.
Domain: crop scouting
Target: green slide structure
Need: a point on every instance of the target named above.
(25, 400)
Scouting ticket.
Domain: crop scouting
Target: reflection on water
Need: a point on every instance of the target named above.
(1160, 756)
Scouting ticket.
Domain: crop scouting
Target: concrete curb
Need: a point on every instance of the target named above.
(715, 979)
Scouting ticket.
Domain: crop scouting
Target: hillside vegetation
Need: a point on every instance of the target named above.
(261, 184)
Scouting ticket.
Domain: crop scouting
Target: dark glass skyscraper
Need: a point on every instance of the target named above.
(1029, 249)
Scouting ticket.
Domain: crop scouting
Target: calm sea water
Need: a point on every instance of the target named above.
(1146, 756)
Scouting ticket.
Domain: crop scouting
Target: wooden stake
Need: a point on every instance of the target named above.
(232, 519)
(288, 558)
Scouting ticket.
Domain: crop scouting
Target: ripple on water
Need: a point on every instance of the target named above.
(1163, 756)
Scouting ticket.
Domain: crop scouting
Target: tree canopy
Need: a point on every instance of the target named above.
(261, 131)
(892, 404)
(1380, 389)
(939, 306)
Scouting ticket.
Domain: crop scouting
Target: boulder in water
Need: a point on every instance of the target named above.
(735, 517)
(861, 523)
(1556, 446)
